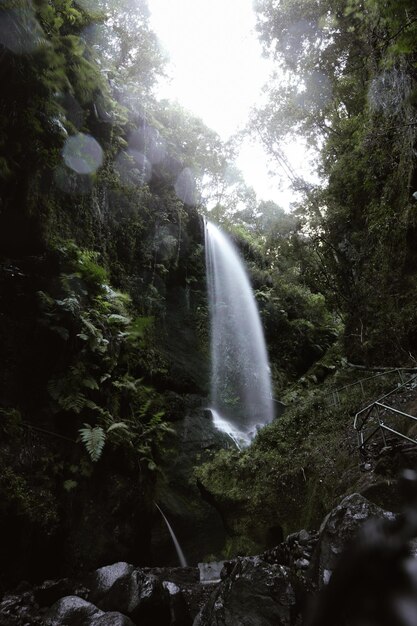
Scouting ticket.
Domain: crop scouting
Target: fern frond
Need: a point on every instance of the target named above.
(90, 382)
(94, 440)
(46, 301)
(94, 331)
(116, 318)
(118, 425)
(73, 402)
(144, 408)
(70, 304)
(127, 383)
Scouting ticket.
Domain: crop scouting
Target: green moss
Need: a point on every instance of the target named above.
(20, 496)
(295, 470)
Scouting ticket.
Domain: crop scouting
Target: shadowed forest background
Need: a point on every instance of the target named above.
(104, 330)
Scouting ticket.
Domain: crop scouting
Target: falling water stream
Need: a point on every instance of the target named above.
(241, 392)
(175, 541)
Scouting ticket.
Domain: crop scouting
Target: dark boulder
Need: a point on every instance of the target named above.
(295, 552)
(338, 529)
(180, 615)
(112, 618)
(103, 579)
(140, 596)
(72, 611)
(254, 594)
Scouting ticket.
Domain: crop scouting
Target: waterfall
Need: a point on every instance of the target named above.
(241, 392)
(175, 541)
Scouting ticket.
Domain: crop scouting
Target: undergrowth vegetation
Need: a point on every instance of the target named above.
(298, 467)
(104, 330)
(99, 334)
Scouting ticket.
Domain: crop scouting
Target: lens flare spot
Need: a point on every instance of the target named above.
(82, 153)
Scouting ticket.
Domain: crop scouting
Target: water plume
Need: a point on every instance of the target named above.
(241, 392)
(180, 553)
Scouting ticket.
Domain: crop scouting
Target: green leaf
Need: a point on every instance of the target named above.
(74, 402)
(138, 327)
(127, 383)
(90, 383)
(94, 440)
(116, 318)
(118, 425)
(69, 485)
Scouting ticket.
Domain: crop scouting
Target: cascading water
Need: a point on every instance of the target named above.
(180, 553)
(241, 392)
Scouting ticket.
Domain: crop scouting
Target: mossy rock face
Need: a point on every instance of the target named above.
(52, 525)
(184, 348)
(291, 475)
(109, 518)
(91, 514)
(198, 525)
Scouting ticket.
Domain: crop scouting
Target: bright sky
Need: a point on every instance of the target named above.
(217, 71)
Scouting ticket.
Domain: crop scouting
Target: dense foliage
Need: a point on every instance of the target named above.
(345, 80)
(350, 89)
(104, 329)
(102, 279)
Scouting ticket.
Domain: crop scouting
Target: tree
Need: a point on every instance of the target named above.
(350, 92)
(127, 50)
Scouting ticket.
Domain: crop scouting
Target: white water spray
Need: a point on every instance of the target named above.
(175, 541)
(241, 392)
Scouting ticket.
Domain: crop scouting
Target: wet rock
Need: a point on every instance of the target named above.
(227, 568)
(19, 609)
(255, 594)
(180, 615)
(294, 551)
(338, 529)
(304, 537)
(140, 596)
(112, 618)
(72, 611)
(104, 578)
(302, 563)
(50, 591)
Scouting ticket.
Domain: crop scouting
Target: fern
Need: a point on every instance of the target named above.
(90, 383)
(73, 402)
(94, 440)
(138, 328)
(70, 304)
(116, 318)
(117, 426)
(128, 383)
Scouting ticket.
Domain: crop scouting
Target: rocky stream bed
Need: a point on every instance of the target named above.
(310, 578)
